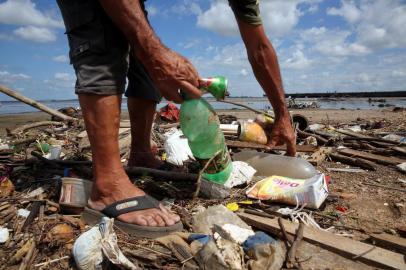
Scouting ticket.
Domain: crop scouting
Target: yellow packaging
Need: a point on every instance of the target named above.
(312, 192)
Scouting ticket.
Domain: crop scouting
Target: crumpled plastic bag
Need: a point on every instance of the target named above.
(242, 173)
(177, 148)
(100, 241)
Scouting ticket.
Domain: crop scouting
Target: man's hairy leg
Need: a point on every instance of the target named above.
(264, 62)
(142, 113)
(102, 119)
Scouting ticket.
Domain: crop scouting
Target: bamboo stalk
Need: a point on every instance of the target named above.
(34, 103)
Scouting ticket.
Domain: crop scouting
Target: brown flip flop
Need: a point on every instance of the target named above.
(92, 217)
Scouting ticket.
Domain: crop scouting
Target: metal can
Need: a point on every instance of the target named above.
(216, 85)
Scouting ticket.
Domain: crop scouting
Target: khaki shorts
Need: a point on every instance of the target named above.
(99, 53)
(246, 10)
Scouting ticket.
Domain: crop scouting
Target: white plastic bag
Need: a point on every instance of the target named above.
(177, 148)
(101, 240)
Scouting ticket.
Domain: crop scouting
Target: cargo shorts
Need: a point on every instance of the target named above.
(100, 54)
(246, 10)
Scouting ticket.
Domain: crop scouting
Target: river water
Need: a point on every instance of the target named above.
(13, 107)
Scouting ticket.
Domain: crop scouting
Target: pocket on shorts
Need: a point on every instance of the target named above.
(84, 28)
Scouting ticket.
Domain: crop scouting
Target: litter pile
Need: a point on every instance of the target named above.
(278, 212)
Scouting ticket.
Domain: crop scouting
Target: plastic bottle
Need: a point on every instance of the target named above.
(268, 165)
(201, 125)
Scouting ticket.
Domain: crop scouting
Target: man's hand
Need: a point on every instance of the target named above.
(172, 72)
(280, 132)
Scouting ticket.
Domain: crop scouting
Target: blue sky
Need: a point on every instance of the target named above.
(322, 45)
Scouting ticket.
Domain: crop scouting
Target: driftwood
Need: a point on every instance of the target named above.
(247, 107)
(160, 175)
(373, 157)
(291, 261)
(34, 103)
(386, 187)
(251, 145)
(33, 125)
(376, 257)
(359, 162)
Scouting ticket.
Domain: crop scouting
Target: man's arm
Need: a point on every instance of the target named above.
(264, 62)
(169, 70)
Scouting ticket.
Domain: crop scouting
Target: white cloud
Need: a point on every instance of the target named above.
(348, 10)
(62, 76)
(332, 42)
(6, 77)
(24, 12)
(278, 16)
(61, 58)
(36, 34)
(244, 72)
(297, 61)
(378, 24)
(219, 18)
(152, 10)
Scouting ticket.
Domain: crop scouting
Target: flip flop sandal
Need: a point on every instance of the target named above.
(92, 217)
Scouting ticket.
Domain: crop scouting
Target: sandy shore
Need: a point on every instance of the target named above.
(11, 121)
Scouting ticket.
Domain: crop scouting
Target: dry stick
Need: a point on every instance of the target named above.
(359, 162)
(33, 125)
(292, 251)
(27, 258)
(34, 103)
(158, 174)
(247, 107)
(51, 261)
(284, 233)
(199, 179)
(383, 186)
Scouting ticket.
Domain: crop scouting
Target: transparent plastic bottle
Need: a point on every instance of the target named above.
(269, 164)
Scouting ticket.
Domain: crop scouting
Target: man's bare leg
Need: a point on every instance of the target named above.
(141, 113)
(102, 119)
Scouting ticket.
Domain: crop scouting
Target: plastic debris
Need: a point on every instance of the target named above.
(311, 192)
(36, 192)
(177, 148)
(396, 138)
(314, 127)
(242, 173)
(23, 213)
(216, 215)
(4, 235)
(236, 233)
(61, 232)
(264, 252)
(232, 206)
(170, 112)
(101, 240)
(6, 187)
(402, 167)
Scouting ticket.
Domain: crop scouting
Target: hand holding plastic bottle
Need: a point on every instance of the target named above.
(172, 72)
(280, 132)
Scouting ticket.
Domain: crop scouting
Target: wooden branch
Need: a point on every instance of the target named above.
(250, 145)
(247, 107)
(34, 103)
(160, 175)
(359, 162)
(33, 125)
(390, 241)
(291, 261)
(378, 257)
(376, 158)
(386, 187)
